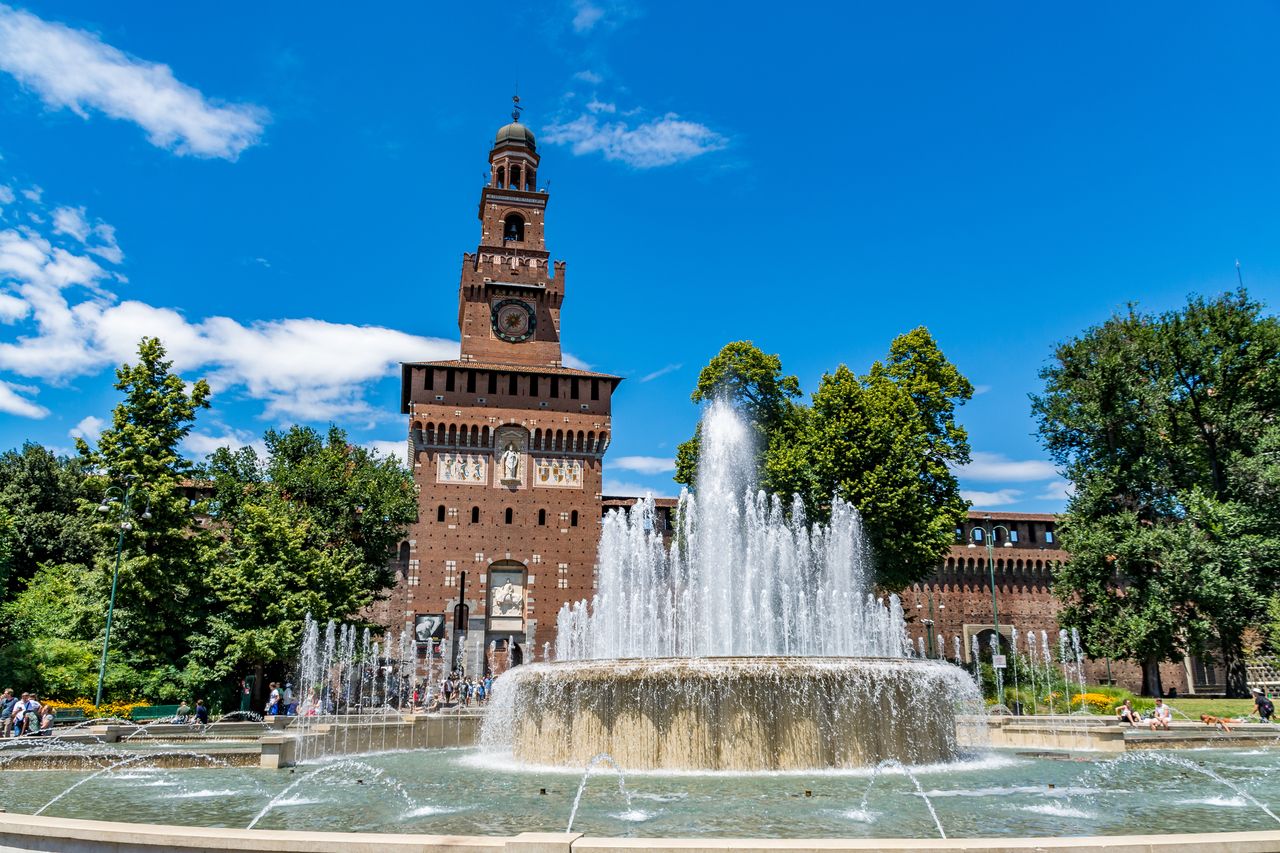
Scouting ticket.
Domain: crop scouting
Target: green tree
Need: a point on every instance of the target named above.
(40, 495)
(887, 442)
(1158, 421)
(312, 528)
(161, 599)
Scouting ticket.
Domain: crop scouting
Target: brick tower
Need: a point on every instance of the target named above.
(506, 443)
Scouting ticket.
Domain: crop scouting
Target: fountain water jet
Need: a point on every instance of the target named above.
(755, 642)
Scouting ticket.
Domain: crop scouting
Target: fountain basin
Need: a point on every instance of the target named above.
(732, 713)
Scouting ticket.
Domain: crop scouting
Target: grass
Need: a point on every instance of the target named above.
(1193, 708)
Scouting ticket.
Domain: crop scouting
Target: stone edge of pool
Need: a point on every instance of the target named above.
(20, 832)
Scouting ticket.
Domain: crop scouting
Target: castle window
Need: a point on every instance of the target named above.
(448, 381)
(493, 383)
(595, 389)
(959, 534)
(533, 386)
(1013, 536)
(475, 515)
(542, 517)
(440, 513)
(555, 386)
(573, 518)
(471, 382)
(562, 576)
(978, 534)
(1048, 537)
(573, 388)
(513, 228)
(450, 572)
(502, 176)
(512, 389)
(510, 515)
(515, 177)
(429, 379)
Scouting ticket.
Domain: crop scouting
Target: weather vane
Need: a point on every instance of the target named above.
(515, 108)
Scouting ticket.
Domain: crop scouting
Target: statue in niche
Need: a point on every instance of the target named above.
(507, 600)
(510, 462)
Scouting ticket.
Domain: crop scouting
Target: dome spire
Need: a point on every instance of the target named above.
(516, 109)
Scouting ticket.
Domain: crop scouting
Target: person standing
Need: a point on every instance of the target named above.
(286, 700)
(7, 702)
(273, 700)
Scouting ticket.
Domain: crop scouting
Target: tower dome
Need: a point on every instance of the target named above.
(515, 133)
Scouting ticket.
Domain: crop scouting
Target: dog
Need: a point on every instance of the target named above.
(1216, 722)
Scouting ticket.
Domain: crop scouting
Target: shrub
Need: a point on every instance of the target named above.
(106, 709)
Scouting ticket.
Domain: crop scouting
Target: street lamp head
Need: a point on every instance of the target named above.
(146, 513)
(971, 545)
(124, 525)
(1007, 545)
(102, 507)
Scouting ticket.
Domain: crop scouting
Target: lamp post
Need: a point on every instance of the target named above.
(930, 647)
(988, 531)
(124, 525)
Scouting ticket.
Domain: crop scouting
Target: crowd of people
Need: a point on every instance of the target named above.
(457, 690)
(25, 715)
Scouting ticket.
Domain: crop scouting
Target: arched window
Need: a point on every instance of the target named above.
(440, 513)
(510, 515)
(515, 177)
(542, 517)
(502, 176)
(573, 518)
(475, 515)
(513, 227)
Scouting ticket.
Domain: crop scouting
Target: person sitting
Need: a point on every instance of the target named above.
(1262, 706)
(202, 712)
(184, 711)
(1126, 714)
(1163, 716)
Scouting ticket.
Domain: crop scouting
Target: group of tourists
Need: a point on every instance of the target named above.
(1162, 715)
(24, 715)
(457, 690)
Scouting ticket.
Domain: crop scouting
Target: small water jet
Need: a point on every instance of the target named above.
(602, 758)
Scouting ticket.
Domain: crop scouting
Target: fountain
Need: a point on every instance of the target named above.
(754, 643)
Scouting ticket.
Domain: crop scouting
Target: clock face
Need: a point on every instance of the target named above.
(514, 320)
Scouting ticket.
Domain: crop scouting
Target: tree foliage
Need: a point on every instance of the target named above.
(1163, 425)
(40, 495)
(886, 441)
(309, 529)
(206, 587)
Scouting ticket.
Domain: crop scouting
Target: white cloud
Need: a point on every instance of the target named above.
(601, 107)
(12, 308)
(89, 428)
(659, 142)
(1058, 490)
(979, 390)
(33, 194)
(996, 467)
(303, 368)
(397, 450)
(644, 464)
(588, 76)
(11, 402)
(99, 239)
(6, 195)
(568, 359)
(1000, 497)
(77, 70)
(661, 371)
(620, 488)
(586, 15)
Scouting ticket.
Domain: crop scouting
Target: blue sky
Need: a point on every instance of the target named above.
(282, 192)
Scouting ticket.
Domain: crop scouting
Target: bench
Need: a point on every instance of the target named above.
(153, 712)
(69, 716)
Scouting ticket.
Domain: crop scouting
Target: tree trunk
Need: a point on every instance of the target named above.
(1236, 678)
(1151, 676)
